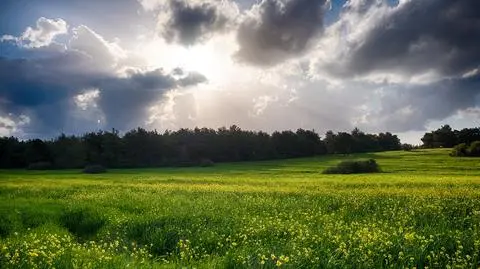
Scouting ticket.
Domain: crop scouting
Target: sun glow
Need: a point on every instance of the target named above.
(211, 59)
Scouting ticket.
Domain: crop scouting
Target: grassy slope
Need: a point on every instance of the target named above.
(422, 211)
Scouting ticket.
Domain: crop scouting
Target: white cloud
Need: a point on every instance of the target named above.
(104, 53)
(150, 5)
(267, 102)
(262, 102)
(87, 99)
(11, 125)
(8, 38)
(42, 35)
(472, 73)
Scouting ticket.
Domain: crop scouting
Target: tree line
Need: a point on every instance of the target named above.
(185, 147)
(446, 137)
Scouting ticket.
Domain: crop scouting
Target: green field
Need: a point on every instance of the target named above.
(422, 211)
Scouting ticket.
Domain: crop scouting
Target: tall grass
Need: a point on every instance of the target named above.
(423, 211)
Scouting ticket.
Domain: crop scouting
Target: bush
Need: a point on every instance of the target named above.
(474, 149)
(40, 166)
(94, 169)
(407, 147)
(354, 167)
(206, 163)
(459, 150)
(463, 150)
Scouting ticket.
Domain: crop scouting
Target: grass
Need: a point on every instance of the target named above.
(423, 210)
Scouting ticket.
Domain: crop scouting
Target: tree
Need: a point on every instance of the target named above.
(37, 151)
(309, 143)
(444, 137)
(143, 148)
(329, 142)
(468, 135)
(344, 143)
(428, 141)
(68, 152)
(388, 141)
(12, 153)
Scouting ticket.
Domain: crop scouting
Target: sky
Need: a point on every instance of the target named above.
(402, 66)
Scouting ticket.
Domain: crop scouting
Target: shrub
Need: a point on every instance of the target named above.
(459, 150)
(464, 150)
(206, 163)
(94, 169)
(354, 167)
(407, 147)
(40, 166)
(474, 149)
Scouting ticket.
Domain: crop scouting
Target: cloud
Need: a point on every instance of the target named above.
(11, 125)
(262, 105)
(46, 93)
(190, 22)
(411, 107)
(417, 61)
(150, 5)
(84, 80)
(42, 88)
(274, 30)
(126, 101)
(87, 99)
(95, 46)
(319, 104)
(436, 37)
(42, 35)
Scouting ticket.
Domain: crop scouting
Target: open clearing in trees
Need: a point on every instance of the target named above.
(422, 210)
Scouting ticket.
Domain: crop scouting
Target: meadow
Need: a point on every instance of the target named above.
(422, 211)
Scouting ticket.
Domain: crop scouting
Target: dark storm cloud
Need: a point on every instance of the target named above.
(190, 23)
(125, 101)
(35, 82)
(439, 37)
(53, 85)
(405, 108)
(420, 36)
(44, 89)
(279, 30)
